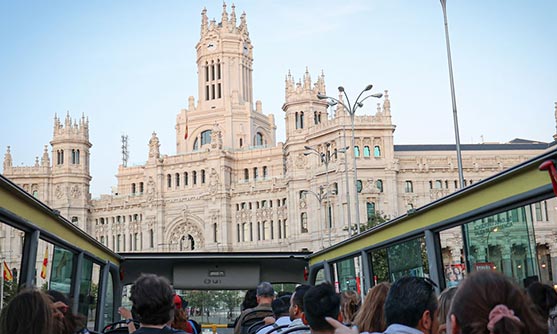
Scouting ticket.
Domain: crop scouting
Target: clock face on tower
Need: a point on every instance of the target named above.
(246, 49)
(211, 46)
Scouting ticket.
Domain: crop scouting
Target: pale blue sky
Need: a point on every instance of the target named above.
(130, 66)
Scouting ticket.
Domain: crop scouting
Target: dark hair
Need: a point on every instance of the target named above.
(299, 294)
(153, 299)
(480, 292)
(250, 300)
(280, 306)
(319, 302)
(543, 296)
(71, 323)
(29, 312)
(371, 316)
(408, 299)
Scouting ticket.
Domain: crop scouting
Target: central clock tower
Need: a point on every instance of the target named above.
(225, 90)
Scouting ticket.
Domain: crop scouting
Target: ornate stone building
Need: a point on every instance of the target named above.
(231, 187)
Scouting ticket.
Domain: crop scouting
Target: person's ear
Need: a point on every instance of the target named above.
(304, 320)
(426, 321)
(455, 329)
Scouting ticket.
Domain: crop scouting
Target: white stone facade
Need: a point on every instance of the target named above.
(231, 187)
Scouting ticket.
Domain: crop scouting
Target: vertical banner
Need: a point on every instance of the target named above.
(45, 263)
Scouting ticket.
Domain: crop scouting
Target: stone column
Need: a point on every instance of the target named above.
(506, 259)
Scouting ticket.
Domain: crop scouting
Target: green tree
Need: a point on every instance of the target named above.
(10, 290)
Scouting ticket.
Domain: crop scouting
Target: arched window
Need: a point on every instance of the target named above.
(255, 173)
(206, 137)
(185, 179)
(196, 144)
(169, 180)
(258, 139)
(438, 184)
(241, 142)
(359, 186)
(246, 174)
(141, 187)
(151, 238)
(202, 176)
(379, 184)
(265, 172)
(316, 117)
(304, 222)
(133, 188)
(334, 189)
(357, 151)
(367, 152)
(177, 176)
(194, 177)
(301, 119)
(77, 157)
(376, 151)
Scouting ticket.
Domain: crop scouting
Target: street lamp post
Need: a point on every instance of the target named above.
(352, 111)
(453, 96)
(325, 159)
(320, 198)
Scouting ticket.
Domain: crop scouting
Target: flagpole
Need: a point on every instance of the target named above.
(2, 285)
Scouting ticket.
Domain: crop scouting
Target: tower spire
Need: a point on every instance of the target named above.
(387, 104)
(224, 18)
(233, 18)
(204, 21)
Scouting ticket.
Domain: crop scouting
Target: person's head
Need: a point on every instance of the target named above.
(321, 301)
(265, 293)
(250, 299)
(445, 299)
(280, 306)
(371, 317)
(412, 302)
(153, 299)
(69, 323)
(29, 312)
(543, 296)
(297, 302)
(350, 302)
(489, 299)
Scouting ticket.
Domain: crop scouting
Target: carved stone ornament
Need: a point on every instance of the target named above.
(58, 192)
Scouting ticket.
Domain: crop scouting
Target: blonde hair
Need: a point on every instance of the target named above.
(350, 302)
(371, 317)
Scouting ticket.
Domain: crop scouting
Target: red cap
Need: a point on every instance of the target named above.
(177, 302)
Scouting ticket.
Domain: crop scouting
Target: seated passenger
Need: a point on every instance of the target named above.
(280, 317)
(69, 323)
(445, 300)
(296, 310)
(489, 302)
(29, 312)
(350, 302)
(153, 301)
(265, 294)
(321, 301)
(371, 316)
(409, 308)
(545, 299)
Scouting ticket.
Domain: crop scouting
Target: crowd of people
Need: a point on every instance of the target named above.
(486, 302)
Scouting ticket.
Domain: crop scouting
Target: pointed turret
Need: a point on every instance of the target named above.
(204, 21)
(224, 17)
(45, 161)
(233, 18)
(307, 80)
(386, 104)
(7, 159)
(243, 27)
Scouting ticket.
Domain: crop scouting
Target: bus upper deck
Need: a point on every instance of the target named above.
(489, 225)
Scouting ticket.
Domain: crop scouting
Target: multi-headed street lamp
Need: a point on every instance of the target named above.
(351, 108)
(320, 197)
(325, 159)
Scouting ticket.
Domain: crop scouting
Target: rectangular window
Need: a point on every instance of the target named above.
(212, 91)
(408, 187)
(538, 207)
(206, 73)
(207, 93)
(219, 91)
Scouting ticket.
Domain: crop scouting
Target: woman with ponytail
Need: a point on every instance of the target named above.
(487, 302)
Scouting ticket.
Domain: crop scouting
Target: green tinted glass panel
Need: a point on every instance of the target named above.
(61, 272)
(380, 265)
(408, 259)
(503, 242)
